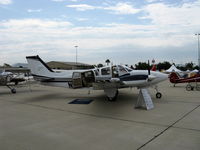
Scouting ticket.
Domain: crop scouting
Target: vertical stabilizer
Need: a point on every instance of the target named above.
(38, 66)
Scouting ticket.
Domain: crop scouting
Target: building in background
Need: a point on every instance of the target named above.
(68, 65)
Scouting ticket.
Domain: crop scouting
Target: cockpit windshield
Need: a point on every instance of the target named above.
(128, 69)
(115, 71)
(123, 68)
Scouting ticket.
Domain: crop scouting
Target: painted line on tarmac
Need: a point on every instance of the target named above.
(171, 126)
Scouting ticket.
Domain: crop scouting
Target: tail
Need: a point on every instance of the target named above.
(153, 68)
(173, 77)
(38, 67)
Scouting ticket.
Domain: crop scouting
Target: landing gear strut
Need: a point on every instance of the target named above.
(13, 90)
(111, 94)
(113, 98)
(158, 94)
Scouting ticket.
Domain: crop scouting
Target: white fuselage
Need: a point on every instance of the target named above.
(125, 76)
(153, 79)
(109, 78)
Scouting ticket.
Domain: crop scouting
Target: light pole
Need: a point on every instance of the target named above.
(76, 52)
(198, 49)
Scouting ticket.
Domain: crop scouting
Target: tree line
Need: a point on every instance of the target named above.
(160, 66)
(166, 65)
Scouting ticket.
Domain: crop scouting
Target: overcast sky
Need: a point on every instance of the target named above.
(124, 31)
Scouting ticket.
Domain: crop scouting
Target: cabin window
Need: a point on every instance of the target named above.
(76, 75)
(88, 74)
(105, 71)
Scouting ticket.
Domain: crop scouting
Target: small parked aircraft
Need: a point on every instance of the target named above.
(175, 79)
(6, 78)
(109, 78)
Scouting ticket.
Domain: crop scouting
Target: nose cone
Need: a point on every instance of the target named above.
(159, 77)
(162, 76)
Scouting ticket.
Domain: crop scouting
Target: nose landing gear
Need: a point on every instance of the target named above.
(158, 94)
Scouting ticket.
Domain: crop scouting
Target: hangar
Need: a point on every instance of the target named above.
(68, 65)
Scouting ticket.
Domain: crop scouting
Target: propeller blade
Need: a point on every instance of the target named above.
(149, 72)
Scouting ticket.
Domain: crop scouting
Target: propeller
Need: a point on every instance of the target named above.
(149, 72)
(150, 77)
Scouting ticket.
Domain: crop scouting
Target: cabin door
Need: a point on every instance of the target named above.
(77, 80)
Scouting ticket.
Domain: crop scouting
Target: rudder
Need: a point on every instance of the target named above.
(38, 66)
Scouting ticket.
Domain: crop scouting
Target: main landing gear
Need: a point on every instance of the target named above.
(190, 87)
(113, 98)
(111, 94)
(13, 90)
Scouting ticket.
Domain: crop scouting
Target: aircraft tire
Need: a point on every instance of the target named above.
(13, 91)
(198, 87)
(111, 99)
(158, 95)
(189, 88)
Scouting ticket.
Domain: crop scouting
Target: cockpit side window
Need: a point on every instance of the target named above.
(76, 75)
(105, 71)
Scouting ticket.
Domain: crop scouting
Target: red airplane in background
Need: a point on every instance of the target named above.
(153, 67)
(175, 78)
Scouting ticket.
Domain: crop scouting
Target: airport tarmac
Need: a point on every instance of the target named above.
(42, 119)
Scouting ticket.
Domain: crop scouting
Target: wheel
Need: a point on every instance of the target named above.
(158, 95)
(13, 91)
(198, 87)
(111, 99)
(189, 87)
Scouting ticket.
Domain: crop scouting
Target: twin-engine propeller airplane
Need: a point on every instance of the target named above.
(109, 78)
